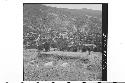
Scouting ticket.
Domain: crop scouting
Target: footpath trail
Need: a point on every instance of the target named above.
(72, 54)
(61, 53)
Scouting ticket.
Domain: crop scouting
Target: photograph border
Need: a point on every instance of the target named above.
(104, 40)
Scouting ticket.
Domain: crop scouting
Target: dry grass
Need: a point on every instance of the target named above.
(61, 66)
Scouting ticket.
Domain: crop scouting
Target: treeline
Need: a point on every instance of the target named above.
(74, 44)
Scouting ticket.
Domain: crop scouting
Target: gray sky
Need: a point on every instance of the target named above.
(77, 6)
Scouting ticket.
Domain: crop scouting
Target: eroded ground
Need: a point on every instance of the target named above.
(61, 66)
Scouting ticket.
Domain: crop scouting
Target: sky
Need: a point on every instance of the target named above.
(77, 6)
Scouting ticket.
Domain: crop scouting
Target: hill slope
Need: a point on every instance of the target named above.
(72, 26)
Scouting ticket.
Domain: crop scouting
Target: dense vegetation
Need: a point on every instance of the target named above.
(61, 28)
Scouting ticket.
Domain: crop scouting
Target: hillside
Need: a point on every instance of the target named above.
(60, 26)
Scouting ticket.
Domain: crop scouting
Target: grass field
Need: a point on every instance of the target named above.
(62, 66)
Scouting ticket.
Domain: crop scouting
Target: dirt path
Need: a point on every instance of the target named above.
(61, 53)
(73, 54)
